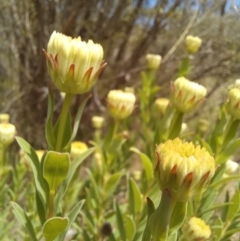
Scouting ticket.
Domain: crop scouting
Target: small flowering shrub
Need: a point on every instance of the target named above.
(181, 191)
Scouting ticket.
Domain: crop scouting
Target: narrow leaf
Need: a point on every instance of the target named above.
(146, 162)
(24, 220)
(35, 165)
(120, 222)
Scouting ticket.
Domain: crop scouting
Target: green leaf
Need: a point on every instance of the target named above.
(130, 227)
(116, 144)
(178, 216)
(112, 183)
(24, 220)
(72, 216)
(41, 209)
(77, 123)
(55, 168)
(225, 209)
(135, 197)
(173, 236)
(228, 151)
(176, 125)
(146, 162)
(53, 227)
(35, 165)
(76, 163)
(95, 195)
(218, 174)
(208, 198)
(120, 222)
(231, 131)
(235, 206)
(150, 210)
(49, 133)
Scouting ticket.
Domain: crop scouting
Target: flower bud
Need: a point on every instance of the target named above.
(233, 104)
(161, 105)
(7, 133)
(4, 118)
(186, 95)
(193, 44)
(153, 61)
(77, 148)
(183, 169)
(203, 125)
(120, 104)
(73, 65)
(196, 230)
(97, 122)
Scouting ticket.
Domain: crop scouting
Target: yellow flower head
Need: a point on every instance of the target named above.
(193, 44)
(233, 104)
(4, 118)
(183, 169)
(77, 148)
(73, 65)
(7, 133)
(120, 104)
(186, 95)
(161, 105)
(97, 122)
(153, 61)
(196, 230)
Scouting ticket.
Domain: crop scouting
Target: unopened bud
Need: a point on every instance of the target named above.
(186, 95)
(120, 104)
(7, 133)
(97, 122)
(153, 61)
(193, 44)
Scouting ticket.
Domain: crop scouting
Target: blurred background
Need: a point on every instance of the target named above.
(127, 30)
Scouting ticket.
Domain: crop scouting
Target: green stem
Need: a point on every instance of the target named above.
(115, 128)
(3, 151)
(51, 204)
(62, 121)
(175, 125)
(160, 219)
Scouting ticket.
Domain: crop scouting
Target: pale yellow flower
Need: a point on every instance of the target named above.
(77, 148)
(4, 118)
(120, 104)
(161, 105)
(196, 230)
(73, 65)
(97, 122)
(7, 133)
(233, 104)
(153, 61)
(183, 169)
(186, 95)
(193, 44)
